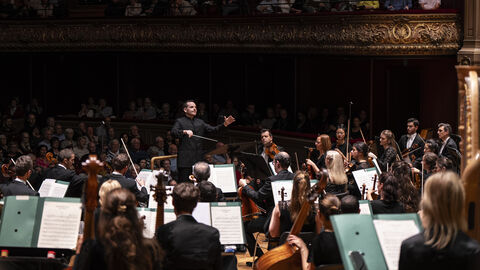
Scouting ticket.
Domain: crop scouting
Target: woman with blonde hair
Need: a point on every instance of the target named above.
(337, 179)
(284, 215)
(443, 244)
(322, 144)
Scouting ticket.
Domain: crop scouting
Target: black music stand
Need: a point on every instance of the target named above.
(256, 166)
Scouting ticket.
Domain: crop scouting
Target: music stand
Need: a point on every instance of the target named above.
(256, 165)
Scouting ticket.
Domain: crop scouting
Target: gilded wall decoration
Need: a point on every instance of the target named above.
(372, 34)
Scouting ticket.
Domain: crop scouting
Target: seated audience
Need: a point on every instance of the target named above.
(430, 4)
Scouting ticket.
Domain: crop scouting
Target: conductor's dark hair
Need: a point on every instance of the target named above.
(263, 130)
(446, 127)
(208, 191)
(120, 161)
(362, 148)
(414, 121)
(350, 205)
(201, 171)
(185, 104)
(185, 197)
(283, 158)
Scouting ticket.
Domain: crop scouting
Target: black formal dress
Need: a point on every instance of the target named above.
(324, 249)
(17, 187)
(189, 244)
(462, 253)
(342, 147)
(418, 153)
(286, 222)
(383, 207)
(388, 156)
(75, 188)
(321, 162)
(130, 184)
(190, 150)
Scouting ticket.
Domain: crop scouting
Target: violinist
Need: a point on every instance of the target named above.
(337, 179)
(284, 216)
(323, 144)
(340, 143)
(429, 160)
(324, 249)
(268, 149)
(360, 155)
(65, 171)
(389, 202)
(389, 155)
(19, 185)
(264, 198)
(412, 141)
(430, 146)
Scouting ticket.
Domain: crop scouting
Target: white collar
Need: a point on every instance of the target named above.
(116, 173)
(61, 165)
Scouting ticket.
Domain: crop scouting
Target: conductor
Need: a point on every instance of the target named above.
(190, 130)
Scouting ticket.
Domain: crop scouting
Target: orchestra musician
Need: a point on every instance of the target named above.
(65, 171)
(448, 146)
(324, 249)
(443, 244)
(264, 198)
(201, 173)
(389, 202)
(337, 179)
(120, 243)
(284, 215)
(190, 147)
(268, 149)
(322, 144)
(360, 155)
(189, 244)
(341, 143)
(430, 146)
(120, 166)
(412, 142)
(20, 185)
(408, 194)
(389, 155)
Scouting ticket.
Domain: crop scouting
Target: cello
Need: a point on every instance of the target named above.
(160, 196)
(250, 210)
(286, 256)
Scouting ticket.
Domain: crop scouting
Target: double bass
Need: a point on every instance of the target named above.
(286, 256)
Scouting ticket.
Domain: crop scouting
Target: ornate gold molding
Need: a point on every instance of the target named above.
(371, 34)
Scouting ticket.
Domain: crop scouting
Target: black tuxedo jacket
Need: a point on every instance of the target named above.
(75, 188)
(128, 183)
(264, 196)
(190, 245)
(14, 188)
(448, 153)
(402, 143)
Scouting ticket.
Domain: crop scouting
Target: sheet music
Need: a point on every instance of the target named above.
(365, 176)
(149, 177)
(168, 216)
(149, 217)
(364, 208)
(270, 164)
(228, 221)
(59, 225)
(223, 177)
(288, 185)
(53, 188)
(390, 234)
(201, 213)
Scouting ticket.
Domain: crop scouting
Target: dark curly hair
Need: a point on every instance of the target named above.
(121, 233)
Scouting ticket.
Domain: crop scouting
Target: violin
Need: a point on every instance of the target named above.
(406, 152)
(285, 256)
(272, 151)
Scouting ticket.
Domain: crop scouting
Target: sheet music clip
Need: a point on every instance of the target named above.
(357, 260)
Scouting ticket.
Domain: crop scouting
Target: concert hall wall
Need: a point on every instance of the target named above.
(390, 89)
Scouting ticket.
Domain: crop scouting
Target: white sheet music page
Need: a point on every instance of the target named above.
(59, 189)
(46, 186)
(149, 217)
(228, 221)
(225, 178)
(201, 213)
(367, 177)
(390, 234)
(59, 225)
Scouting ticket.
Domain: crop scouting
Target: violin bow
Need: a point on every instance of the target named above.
(348, 129)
